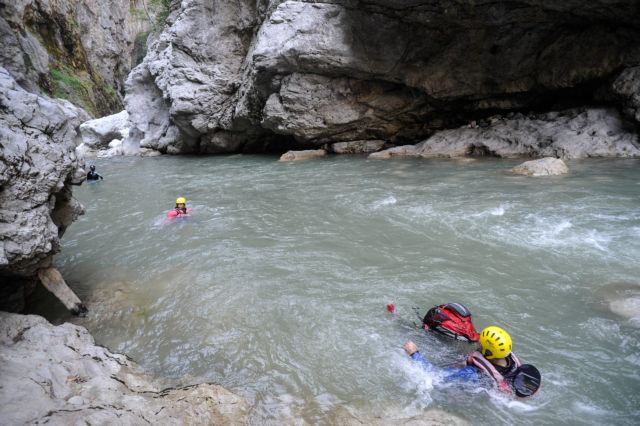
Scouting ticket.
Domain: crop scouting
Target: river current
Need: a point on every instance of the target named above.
(276, 286)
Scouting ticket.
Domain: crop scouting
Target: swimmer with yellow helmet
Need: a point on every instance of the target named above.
(495, 359)
(180, 209)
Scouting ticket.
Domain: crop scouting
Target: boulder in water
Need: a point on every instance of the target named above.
(543, 167)
(622, 299)
(303, 155)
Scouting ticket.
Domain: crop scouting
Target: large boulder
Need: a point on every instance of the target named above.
(224, 74)
(576, 133)
(57, 375)
(98, 133)
(38, 165)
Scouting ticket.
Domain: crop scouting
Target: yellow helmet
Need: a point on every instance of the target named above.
(495, 342)
(181, 200)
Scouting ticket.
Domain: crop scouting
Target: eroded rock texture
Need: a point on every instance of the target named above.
(38, 165)
(77, 50)
(229, 76)
(569, 134)
(57, 375)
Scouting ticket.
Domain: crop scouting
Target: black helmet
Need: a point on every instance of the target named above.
(92, 167)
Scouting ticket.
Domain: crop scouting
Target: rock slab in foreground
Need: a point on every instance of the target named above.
(57, 375)
(543, 167)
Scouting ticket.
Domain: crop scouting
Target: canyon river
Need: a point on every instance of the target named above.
(275, 287)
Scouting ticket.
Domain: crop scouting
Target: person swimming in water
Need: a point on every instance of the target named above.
(494, 360)
(180, 210)
(93, 175)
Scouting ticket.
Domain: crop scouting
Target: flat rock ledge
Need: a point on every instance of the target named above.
(57, 375)
(548, 166)
(303, 155)
(568, 134)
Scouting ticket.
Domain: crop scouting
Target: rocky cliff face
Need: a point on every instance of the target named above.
(76, 50)
(229, 76)
(57, 375)
(38, 165)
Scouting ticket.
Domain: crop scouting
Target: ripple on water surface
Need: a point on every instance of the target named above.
(276, 286)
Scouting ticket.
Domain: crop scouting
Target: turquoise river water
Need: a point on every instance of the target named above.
(276, 286)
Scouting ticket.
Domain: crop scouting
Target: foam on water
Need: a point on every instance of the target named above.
(388, 201)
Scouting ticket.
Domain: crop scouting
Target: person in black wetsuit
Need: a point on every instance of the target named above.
(93, 175)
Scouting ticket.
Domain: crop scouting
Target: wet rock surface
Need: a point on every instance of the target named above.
(38, 165)
(57, 375)
(303, 155)
(543, 167)
(397, 416)
(621, 299)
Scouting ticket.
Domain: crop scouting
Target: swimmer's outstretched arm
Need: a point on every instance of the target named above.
(466, 373)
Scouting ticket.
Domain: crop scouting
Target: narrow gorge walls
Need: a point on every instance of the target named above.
(38, 165)
(231, 76)
(77, 50)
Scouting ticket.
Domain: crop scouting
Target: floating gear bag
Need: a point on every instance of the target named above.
(453, 320)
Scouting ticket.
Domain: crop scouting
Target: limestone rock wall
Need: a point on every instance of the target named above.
(80, 50)
(57, 375)
(568, 134)
(225, 74)
(38, 165)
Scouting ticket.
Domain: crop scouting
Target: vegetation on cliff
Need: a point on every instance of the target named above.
(71, 75)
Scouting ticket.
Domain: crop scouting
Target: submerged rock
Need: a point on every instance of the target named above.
(303, 155)
(56, 374)
(432, 417)
(622, 299)
(576, 133)
(543, 167)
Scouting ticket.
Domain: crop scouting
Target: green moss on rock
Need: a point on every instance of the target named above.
(84, 89)
(71, 76)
